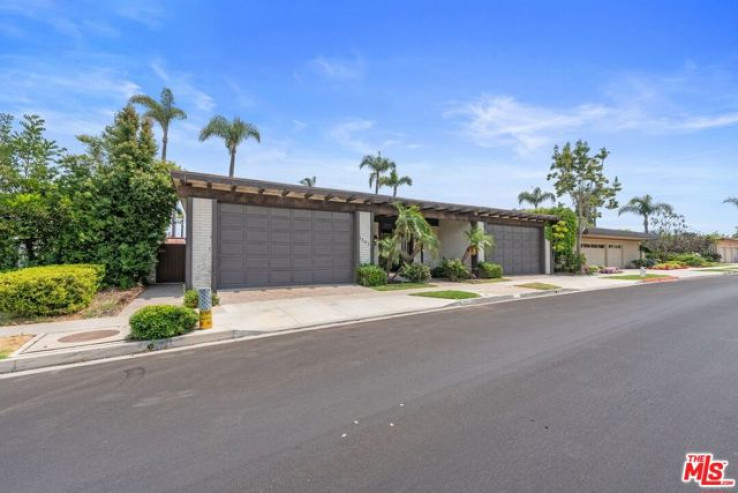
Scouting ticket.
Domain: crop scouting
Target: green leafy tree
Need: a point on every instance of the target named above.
(125, 200)
(233, 134)
(580, 176)
(646, 208)
(378, 165)
(563, 237)
(394, 181)
(308, 181)
(476, 240)
(162, 112)
(30, 216)
(536, 197)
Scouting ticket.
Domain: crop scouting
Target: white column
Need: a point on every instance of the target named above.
(201, 238)
(364, 235)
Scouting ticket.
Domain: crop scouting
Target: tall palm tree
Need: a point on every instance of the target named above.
(378, 165)
(393, 180)
(308, 181)
(162, 112)
(731, 200)
(232, 132)
(645, 207)
(536, 197)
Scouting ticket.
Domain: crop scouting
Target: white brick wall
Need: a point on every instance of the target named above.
(201, 237)
(364, 230)
(548, 268)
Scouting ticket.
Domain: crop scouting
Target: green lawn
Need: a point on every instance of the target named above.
(399, 286)
(538, 285)
(448, 295)
(485, 281)
(636, 277)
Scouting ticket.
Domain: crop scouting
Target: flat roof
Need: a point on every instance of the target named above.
(618, 233)
(247, 186)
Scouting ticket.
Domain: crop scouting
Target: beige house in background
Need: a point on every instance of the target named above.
(727, 248)
(612, 247)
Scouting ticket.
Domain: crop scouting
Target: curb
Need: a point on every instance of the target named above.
(115, 349)
(508, 297)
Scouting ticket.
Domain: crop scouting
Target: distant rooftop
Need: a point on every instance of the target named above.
(619, 233)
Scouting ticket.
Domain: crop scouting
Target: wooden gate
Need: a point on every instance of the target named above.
(171, 263)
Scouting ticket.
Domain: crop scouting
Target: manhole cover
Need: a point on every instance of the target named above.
(92, 335)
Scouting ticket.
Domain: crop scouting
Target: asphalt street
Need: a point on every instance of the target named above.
(598, 391)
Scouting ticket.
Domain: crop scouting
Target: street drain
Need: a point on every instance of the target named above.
(92, 335)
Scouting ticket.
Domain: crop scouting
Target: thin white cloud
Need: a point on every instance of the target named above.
(669, 104)
(182, 86)
(345, 135)
(338, 68)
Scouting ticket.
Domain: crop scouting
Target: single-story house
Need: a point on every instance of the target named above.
(728, 249)
(612, 247)
(250, 233)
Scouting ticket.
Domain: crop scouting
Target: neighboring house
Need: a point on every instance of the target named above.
(250, 233)
(727, 248)
(612, 247)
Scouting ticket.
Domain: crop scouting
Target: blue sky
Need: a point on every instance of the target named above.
(467, 97)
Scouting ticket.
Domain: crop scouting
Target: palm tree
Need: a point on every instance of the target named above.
(477, 240)
(731, 200)
(378, 166)
(536, 197)
(645, 207)
(232, 132)
(394, 181)
(308, 182)
(162, 112)
(411, 228)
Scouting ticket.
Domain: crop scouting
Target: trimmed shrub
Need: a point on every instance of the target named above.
(489, 270)
(671, 265)
(192, 299)
(646, 262)
(455, 270)
(591, 269)
(371, 275)
(49, 290)
(161, 322)
(415, 272)
(610, 270)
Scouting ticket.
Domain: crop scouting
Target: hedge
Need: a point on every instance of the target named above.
(192, 299)
(161, 322)
(416, 272)
(371, 275)
(49, 290)
(489, 270)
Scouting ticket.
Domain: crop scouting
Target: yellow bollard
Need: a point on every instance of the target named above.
(205, 302)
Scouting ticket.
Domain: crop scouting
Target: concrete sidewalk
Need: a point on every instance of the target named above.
(263, 311)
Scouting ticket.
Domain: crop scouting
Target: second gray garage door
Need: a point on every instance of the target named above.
(518, 248)
(265, 246)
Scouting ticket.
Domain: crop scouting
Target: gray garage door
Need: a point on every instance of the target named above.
(264, 246)
(518, 248)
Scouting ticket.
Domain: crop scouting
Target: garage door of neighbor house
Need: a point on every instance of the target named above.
(265, 246)
(518, 248)
(594, 253)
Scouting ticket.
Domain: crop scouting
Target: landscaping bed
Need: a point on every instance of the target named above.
(9, 344)
(450, 294)
(401, 286)
(106, 303)
(637, 277)
(538, 285)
